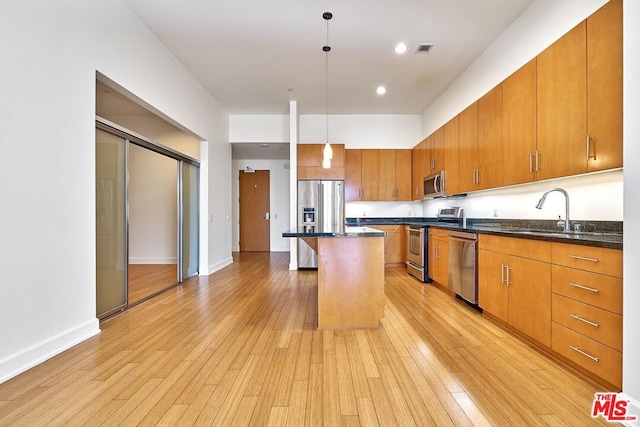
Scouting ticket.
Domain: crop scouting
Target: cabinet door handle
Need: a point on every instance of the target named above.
(575, 316)
(581, 258)
(502, 274)
(508, 275)
(577, 349)
(530, 162)
(589, 156)
(537, 160)
(575, 285)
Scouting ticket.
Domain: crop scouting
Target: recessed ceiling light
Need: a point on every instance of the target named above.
(381, 90)
(401, 48)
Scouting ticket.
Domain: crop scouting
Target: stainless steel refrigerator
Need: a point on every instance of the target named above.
(320, 209)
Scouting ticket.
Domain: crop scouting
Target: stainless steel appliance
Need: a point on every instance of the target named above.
(462, 265)
(321, 209)
(417, 252)
(434, 185)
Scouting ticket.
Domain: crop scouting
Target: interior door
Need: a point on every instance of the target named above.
(254, 211)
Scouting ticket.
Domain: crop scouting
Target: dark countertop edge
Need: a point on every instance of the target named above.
(583, 240)
(355, 231)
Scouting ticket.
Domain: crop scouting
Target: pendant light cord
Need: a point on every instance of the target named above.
(326, 83)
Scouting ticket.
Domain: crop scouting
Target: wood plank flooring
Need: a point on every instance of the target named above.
(240, 348)
(148, 279)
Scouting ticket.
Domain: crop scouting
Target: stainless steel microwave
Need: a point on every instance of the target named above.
(434, 186)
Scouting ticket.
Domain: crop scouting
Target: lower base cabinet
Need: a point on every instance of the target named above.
(515, 289)
(438, 256)
(395, 245)
(567, 298)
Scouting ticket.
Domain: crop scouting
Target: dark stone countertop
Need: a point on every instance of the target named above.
(348, 231)
(604, 234)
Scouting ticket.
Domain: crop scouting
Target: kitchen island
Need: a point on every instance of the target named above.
(350, 275)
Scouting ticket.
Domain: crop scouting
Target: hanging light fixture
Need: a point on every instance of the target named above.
(327, 153)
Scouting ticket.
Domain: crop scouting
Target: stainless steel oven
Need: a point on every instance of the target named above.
(417, 252)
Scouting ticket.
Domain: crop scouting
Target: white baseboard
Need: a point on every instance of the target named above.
(20, 361)
(153, 260)
(217, 266)
(633, 409)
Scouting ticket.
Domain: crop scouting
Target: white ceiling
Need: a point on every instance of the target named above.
(254, 56)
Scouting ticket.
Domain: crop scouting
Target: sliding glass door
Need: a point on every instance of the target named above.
(111, 223)
(147, 215)
(189, 208)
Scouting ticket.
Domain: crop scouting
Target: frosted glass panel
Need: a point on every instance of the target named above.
(111, 248)
(153, 222)
(189, 220)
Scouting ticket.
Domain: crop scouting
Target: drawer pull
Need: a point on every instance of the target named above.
(582, 258)
(575, 285)
(577, 349)
(595, 325)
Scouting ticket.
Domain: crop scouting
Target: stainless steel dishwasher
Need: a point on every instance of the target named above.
(462, 265)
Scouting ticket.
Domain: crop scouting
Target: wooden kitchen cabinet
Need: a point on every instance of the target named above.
(374, 175)
(587, 308)
(519, 148)
(452, 154)
(490, 140)
(468, 149)
(370, 175)
(562, 105)
(403, 175)
(580, 97)
(514, 284)
(438, 256)
(353, 175)
(310, 162)
(559, 115)
(395, 245)
(437, 150)
(604, 87)
(419, 169)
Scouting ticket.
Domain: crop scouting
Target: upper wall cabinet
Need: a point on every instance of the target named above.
(310, 162)
(519, 149)
(562, 105)
(579, 97)
(452, 175)
(490, 140)
(419, 169)
(378, 175)
(604, 87)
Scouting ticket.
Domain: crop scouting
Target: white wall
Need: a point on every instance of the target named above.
(596, 197)
(363, 130)
(354, 130)
(51, 52)
(631, 319)
(279, 200)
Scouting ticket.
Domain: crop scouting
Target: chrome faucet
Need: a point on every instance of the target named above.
(567, 227)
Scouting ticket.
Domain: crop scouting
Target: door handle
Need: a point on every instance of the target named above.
(267, 216)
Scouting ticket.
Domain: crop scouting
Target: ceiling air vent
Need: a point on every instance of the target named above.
(424, 47)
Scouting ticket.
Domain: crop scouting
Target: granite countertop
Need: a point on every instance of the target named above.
(605, 234)
(348, 231)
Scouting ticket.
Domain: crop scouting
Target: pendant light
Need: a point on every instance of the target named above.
(327, 153)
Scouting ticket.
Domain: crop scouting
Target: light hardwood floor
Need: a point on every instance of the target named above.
(240, 348)
(148, 279)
